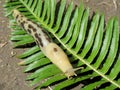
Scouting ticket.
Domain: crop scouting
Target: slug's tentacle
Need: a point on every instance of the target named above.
(49, 48)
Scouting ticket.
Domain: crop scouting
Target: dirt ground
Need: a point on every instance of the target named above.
(11, 75)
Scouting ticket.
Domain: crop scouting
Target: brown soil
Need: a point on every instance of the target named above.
(11, 75)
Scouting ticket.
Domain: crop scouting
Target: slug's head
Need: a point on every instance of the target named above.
(71, 72)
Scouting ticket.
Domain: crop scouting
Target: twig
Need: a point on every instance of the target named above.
(50, 88)
(87, 0)
(3, 44)
(115, 4)
(105, 3)
(13, 53)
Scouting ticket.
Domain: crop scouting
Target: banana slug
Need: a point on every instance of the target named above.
(49, 48)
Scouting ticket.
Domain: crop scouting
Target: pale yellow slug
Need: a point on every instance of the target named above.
(49, 48)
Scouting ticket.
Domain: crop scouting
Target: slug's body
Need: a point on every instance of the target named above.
(50, 49)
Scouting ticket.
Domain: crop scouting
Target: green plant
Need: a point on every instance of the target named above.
(88, 43)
